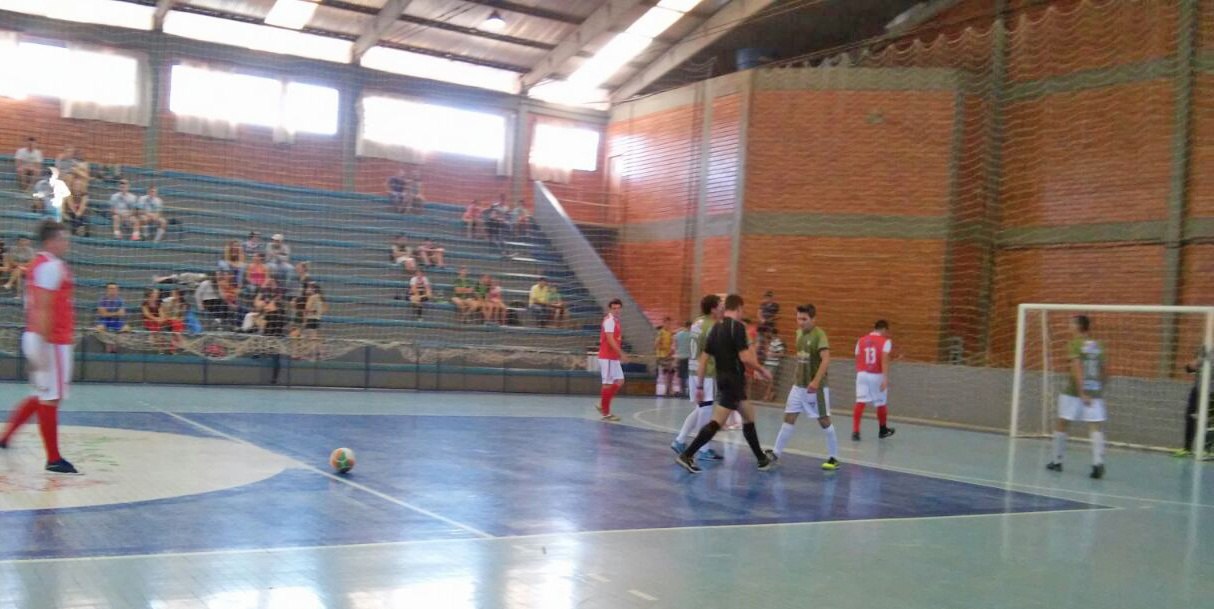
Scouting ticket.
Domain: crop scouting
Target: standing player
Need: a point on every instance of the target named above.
(663, 349)
(872, 378)
(809, 394)
(47, 342)
(701, 411)
(611, 355)
(1082, 401)
(729, 349)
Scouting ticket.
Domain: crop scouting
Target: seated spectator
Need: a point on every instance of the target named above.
(209, 301)
(29, 164)
(257, 274)
(252, 246)
(254, 319)
(520, 220)
(431, 253)
(315, 308)
(472, 219)
(303, 276)
(193, 325)
(492, 306)
(463, 296)
(494, 218)
(274, 317)
(556, 304)
(233, 259)
(398, 191)
(111, 314)
(17, 261)
(150, 210)
(153, 317)
(76, 214)
(402, 254)
(172, 311)
(111, 171)
(123, 210)
(413, 195)
(278, 259)
(420, 291)
(537, 302)
(77, 181)
(229, 291)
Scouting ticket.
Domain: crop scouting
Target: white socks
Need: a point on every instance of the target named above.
(1097, 448)
(832, 442)
(786, 432)
(690, 426)
(1059, 446)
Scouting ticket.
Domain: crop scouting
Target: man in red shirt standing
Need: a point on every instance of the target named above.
(872, 378)
(611, 355)
(47, 342)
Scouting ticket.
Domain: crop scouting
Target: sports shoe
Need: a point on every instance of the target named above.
(678, 447)
(61, 467)
(688, 464)
(1184, 452)
(831, 464)
(770, 461)
(1097, 472)
(1054, 466)
(855, 436)
(610, 418)
(709, 454)
(885, 432)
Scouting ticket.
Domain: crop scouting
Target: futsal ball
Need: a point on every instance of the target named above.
(342, 460)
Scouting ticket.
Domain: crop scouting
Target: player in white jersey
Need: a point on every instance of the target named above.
(711, 309)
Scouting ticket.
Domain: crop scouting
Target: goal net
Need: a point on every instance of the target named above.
(1149, 356)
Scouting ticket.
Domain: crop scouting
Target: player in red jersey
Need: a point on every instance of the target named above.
(611, 355)
(872, 378)
(47, 342)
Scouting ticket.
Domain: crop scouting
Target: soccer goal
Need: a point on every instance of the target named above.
(1148, 354)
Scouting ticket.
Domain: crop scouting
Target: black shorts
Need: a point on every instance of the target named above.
(731, 392)
(311, 324)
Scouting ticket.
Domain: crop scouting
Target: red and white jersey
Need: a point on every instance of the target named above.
(869, 349)
(611, 326)
(51, 274)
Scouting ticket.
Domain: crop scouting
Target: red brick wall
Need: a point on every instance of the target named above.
(724, 155)
(39, 117)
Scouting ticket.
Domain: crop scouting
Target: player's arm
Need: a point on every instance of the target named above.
(817, 380)
(701, 368)
(752, 363)
(615, 344)
(885, 360)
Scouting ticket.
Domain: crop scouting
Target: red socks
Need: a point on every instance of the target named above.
(856, 415)
(882, 413)
(22, 413)
(48, 424)
(606, 394)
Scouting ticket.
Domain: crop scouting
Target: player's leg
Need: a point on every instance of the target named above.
(820, 407)
(882, 404)
(37, 363)
(793, 407)
(862, 399)
(1068, 406)
(1094, 416)
(59, 375)
(613, 380)
(765, 459)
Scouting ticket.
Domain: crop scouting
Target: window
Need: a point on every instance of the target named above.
(409, 63)
(253, 100)
(53, 71)
(431, 128)
(565, 147)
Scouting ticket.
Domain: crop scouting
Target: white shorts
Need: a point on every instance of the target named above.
(50, 367)
(710, 389)
(868, 389)
(1071, 408)
(612, 371)
(800, 400)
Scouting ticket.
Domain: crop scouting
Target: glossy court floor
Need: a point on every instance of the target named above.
(221, 498)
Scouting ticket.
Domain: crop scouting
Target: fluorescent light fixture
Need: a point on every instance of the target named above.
(566, 94)
(437, 68)
(103, 12)
(494, 23)
(654, 22)
(293, 14)
(679, 5)
(257, 37)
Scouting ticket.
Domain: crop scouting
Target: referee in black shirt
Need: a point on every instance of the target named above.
(727, 345)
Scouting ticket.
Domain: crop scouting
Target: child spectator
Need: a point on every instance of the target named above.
(463, 295)
(402, 254)
(153, 319)
(123, 210)
(16, 262)
(420, 291)
(29, 164)
(430, 253)
(151, 213)
(472, 218)
(233, 259)
(111, 314)
(397, 191)
(256, 273)
(278, 258)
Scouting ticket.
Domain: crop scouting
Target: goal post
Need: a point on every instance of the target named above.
(1147, 385)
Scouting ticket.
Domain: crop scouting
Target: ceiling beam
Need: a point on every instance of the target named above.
(440, 25)
(379, 26)
(530, 11)
(601, 21)
(162, 8)
(712, 29)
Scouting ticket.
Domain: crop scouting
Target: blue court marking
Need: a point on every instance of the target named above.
(506, 476)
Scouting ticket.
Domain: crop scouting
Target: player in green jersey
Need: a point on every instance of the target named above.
(711, 310)
(1083, 398)
(809, 393)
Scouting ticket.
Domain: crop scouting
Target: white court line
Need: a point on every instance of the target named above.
(639, 594)
(331, 476)
(598, 578)
(537, 536)
(999, 484)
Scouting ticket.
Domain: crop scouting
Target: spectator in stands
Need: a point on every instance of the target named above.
(492, 305)
(775, 354)
(472, 219)
(193, 326)
(494, 218)
(111, 314)
(229, 291)
(682, 353)
(521, 221)
(420, 291)
(274, 316)
(398, 191)
(208, 301)
(537, 302)
(303, 276)
(253, 319)
(256, 274)
(233, 259)
(17, 262)
(402, 254)
(151, 213)
(556, 303)
(153, 318)
(663, 350)
(278, 259)
(123, 206)
(413, 194)
(463, 296)
(66, 161)
(111, 171)
(315, 309)
(769, 311)
(172, 310)
(77, 181)
(43, 194)
(29, 164)
(431, 253)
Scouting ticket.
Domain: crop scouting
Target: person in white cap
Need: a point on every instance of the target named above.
(278, 258)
